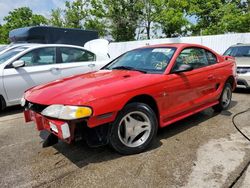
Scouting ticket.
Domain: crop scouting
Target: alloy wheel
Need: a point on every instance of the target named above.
(134, 129)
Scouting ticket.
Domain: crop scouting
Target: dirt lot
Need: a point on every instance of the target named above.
(204, 150)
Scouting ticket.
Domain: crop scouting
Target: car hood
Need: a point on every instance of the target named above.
(81, 89)
(242, 60)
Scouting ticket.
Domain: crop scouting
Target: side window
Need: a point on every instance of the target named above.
(195, 57)
(41, 56)
(212, 59)
(69, 55)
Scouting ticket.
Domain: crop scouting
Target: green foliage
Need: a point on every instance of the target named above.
(78, 14)
(96, 19)
(75, 13)
(3, 35)
(56, 18)
(171, 17)
(147, 17)
(123, 16)
(124, 19)
(23, 17)
(97, 25)
(220, 16)
(20, 17)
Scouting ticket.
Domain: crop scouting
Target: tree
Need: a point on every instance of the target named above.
(76, 13)
(3, 34)
(121, 17)
(56, 18)
(21, 17)
(96, 19)
(220, 16)
(171, 17)
(147, 16)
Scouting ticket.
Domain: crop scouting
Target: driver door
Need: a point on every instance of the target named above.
(187, 89)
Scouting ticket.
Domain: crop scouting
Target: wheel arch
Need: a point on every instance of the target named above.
(232, 81)
(147, 99)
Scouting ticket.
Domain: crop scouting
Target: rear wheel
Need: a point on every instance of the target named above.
(134, 129)
(2, 103)
(225, 98)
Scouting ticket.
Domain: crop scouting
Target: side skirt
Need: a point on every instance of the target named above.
(187, 114)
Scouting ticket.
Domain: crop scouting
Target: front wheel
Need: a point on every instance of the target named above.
(134, 129)
(225, 98)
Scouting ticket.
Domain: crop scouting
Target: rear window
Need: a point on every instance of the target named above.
(238, 51)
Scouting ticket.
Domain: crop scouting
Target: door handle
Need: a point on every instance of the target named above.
(211, 77)
(91, 65)
(54, 69)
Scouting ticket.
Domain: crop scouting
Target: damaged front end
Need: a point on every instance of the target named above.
(67, 130)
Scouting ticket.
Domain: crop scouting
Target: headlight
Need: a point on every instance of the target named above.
(67, 112)
(22, 101)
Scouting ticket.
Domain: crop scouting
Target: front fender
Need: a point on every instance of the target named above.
(105, 110)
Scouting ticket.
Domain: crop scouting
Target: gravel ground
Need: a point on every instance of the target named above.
(204, 150)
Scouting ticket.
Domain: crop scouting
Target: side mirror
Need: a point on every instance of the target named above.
(183, 68)
(18, 63)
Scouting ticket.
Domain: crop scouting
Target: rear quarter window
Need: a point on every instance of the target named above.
(212, 59)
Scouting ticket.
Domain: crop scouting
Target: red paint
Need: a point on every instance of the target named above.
(177, 95)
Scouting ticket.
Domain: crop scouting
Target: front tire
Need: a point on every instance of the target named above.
(134, 129)
(225, 98)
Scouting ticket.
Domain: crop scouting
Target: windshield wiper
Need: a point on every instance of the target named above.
(128, 68)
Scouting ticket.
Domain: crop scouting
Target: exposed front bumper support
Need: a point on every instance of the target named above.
(63, 130)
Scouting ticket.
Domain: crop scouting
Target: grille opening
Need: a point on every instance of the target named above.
(38, 108)
(241, 83)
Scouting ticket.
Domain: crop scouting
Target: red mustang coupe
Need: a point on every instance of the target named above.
(126, 102)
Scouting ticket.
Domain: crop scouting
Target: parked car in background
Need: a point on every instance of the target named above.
(241, 52)
(10, 47)
(28, 65)
(125, 102)
(2, 47)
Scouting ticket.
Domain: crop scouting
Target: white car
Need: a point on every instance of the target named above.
(8, 47)
(32, 64)
(241, 52)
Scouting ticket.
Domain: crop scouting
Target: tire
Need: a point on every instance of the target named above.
(225, 99)
(134, 129)
(2, 103)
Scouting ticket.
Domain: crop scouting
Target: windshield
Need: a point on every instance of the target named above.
(11, 53)
(3, 48)
(238, 51)
(148, 60)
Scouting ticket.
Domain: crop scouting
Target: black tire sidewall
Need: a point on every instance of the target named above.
(114, 138)
(227, 85)
(220, 107)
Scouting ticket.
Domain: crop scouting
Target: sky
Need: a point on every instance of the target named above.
(42, 7)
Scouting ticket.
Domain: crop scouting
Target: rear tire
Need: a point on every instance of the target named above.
(225, 99)
(134, 129)
(2, 103)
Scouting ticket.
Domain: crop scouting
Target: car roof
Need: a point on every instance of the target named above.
(30, 45)
(240, 44)
(175, 45)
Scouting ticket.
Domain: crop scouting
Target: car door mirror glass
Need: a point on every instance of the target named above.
(183, 68)
(18, 63)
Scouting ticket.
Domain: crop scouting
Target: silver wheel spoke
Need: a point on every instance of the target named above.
(137, 127)
(128, 128)
(138, 130)
(226, 97)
